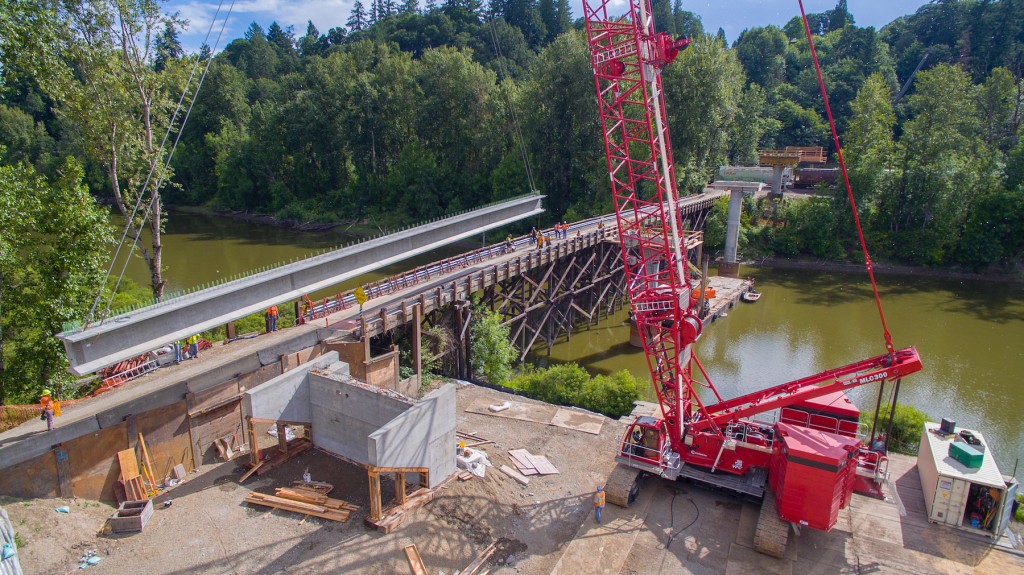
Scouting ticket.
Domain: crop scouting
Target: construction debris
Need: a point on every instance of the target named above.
(530, 464)
(481, 559)
(131, 516)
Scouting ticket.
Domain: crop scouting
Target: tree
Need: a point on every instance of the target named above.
(761, 51)
(702, 93)
(940, 163)
(358, 19)
(313, 44)
(54, 239)
(492, 351)
(167, 47)
(868, 140)
(124, 106)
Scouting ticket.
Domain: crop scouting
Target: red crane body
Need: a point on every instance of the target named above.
(718, 443)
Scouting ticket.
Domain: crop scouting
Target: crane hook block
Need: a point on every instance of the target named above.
(665, 49)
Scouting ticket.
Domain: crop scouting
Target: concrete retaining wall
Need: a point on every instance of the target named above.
(286, 397)
(344, 416)
(422, 436)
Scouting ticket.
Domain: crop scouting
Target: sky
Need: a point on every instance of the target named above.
(733, 16)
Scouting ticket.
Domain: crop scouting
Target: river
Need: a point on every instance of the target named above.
(969, 333)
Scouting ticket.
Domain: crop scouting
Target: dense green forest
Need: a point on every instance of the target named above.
(411, 111)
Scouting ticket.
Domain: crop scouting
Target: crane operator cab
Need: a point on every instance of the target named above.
(644, 441)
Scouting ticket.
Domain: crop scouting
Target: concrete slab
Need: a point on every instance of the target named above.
(578, 420)
(422, 436)
(286, 397)
(537, 413)
(604, 548)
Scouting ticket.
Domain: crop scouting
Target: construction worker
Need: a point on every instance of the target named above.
(540, 240)
(193, 346)
(271, 318)
(50, 407)
(599, 502)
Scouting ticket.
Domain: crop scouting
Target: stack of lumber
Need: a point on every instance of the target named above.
(305, 502)
(529, 464)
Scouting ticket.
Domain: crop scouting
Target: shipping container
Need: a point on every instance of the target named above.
(977, 499)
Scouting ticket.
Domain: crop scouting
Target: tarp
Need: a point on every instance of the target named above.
(9, 566)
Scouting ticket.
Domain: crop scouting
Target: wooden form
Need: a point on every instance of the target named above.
(131, 516)
(415, 563)
(295, 448)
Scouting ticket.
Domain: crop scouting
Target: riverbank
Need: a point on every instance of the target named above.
(269, 220)
(886, 269)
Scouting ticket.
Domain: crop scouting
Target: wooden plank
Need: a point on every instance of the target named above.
(521, 458)
(249, 473)
(481, 559)
(285, 505)
(129, 465)
(147, 463)
(415, 563)
(527, 471)
(515, 474)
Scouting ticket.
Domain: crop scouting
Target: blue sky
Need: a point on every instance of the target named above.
(732, 15)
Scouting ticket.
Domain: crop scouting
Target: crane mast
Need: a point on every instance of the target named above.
(721, 443)
(627, 56)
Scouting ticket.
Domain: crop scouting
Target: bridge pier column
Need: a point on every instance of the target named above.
(417, 331)
(730, 267)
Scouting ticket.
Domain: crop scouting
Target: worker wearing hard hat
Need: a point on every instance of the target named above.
(598, 503)
(50, 407)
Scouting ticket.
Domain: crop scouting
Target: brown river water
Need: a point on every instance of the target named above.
(970, 333)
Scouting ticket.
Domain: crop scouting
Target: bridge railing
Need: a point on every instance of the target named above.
(392, 284)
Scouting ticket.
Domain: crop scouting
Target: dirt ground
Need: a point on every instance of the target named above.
(208, 529)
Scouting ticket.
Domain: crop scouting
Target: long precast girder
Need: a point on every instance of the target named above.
(132, 334)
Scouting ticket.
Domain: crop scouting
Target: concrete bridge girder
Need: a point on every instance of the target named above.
(130, 335)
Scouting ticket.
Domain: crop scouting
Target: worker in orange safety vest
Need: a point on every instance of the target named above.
(599, 503)
(271, 318)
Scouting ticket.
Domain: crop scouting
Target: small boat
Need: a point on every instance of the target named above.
(750, 296)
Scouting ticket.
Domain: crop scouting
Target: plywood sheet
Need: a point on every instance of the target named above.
(536, 412)
(213, 425)
(542, 465)
(129, 465)
(578, 420)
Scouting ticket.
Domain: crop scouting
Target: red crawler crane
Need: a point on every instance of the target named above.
(812, 472)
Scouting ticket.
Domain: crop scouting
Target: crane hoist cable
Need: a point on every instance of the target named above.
(517, 129)
(129, 226)
(849, 191)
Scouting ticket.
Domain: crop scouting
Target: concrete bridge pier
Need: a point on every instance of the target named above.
(730, 267)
